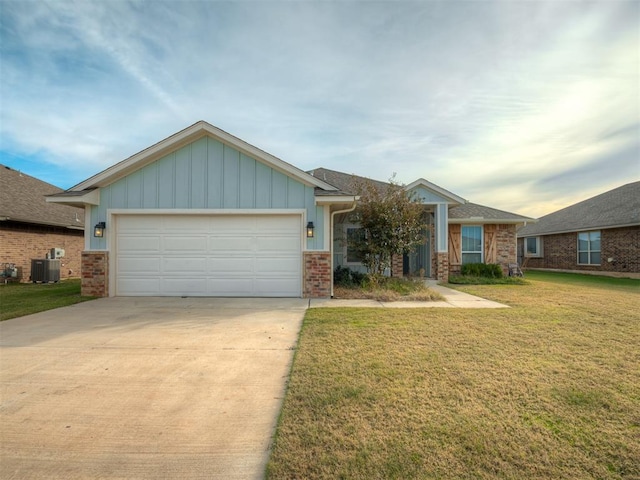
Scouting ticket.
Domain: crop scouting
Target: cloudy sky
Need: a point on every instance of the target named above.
(527, 106)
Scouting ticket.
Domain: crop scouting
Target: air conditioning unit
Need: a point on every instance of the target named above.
(45, 270)
(56, 253)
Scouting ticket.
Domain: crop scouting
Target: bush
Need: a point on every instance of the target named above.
(486, 270)
(345, 277)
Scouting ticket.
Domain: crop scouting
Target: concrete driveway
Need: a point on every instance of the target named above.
(145, 387)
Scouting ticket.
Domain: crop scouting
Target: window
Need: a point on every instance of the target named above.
(471, 244)
(354, 235)
(532, 247)
(589, 248)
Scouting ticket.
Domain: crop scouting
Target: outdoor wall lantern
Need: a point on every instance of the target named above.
(310, 228)
(98, 230)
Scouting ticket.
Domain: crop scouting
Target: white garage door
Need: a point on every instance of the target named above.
(209, 255)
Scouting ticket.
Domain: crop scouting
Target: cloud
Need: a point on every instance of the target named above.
(483, 98)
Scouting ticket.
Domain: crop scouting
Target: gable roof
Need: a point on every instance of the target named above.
(183, 137)
(22, 199)
(464, 212)
(619, 207)
(476, 213)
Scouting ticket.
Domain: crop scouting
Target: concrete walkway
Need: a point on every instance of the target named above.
(452, 299)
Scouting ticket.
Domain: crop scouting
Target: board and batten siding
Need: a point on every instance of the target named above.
(207, 174)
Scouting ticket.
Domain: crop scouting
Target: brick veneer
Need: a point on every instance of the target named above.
(442, 267)
(19, 243)
(396, 266)
(95, 274)
(560, 252)
(506, 247)
(317, 275)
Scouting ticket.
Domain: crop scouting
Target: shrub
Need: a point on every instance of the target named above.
(345, 277)
(486, 270)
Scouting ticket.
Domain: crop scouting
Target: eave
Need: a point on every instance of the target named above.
(184, 137)
(80, 198)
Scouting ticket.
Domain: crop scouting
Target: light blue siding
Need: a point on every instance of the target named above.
(427, 196)
(209, 174)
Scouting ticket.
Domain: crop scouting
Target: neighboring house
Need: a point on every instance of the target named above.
(598, 235)
(30, 226)
(203, 213)
(456, 231)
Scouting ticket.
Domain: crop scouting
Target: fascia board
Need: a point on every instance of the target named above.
(421, 182)
(332, 199)
(486, 221)
(573, 230)
(92, 197)
(189, 134)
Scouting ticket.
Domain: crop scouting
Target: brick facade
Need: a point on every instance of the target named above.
(20, 243)
(317, 275)
(397, 266)
(95, 274)
(506, 247)
(442, 267)
(560, 252)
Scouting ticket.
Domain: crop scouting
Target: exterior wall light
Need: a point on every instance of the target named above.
(98, 230)
(310, 228)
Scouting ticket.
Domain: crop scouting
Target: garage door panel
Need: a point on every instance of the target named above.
(230, 287)
(191, 286)
(231, 265)
(139, 243)
(140, 286)
(183, 243)
(231, 243)
(187, 265)
(269, 265)
(145, 264)
(277, 243)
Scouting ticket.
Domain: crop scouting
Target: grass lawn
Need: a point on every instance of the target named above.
(549, 388)
(19, 299)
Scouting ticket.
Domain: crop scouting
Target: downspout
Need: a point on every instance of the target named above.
(351, 209)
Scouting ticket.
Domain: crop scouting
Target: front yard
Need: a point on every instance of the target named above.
(549, 388)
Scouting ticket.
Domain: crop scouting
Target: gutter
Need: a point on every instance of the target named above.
(351, 209)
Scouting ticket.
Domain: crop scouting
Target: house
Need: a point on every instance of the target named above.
(30, 226)
(600, 235)
(204, 213)
(456, 231)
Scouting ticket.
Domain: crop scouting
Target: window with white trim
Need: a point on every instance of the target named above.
(351, 253)
(471, 244)
(589, 248)
(532, 247)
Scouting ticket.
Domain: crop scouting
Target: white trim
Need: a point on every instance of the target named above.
(332, 199)
(205, 211)
(188, 135)
(487, 221)
(326, 214)
(91, 197)
(421, 182)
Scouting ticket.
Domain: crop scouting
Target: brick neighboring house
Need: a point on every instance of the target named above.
(30, 227)
(600, 235)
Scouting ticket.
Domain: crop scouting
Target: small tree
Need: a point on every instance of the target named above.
(391, 222)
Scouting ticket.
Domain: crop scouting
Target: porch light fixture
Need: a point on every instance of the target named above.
(98, 230)
(310, 228)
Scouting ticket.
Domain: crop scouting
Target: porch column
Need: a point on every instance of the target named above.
(442, 242)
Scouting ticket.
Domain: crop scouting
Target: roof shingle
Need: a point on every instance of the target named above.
(22, 199)
(615, 208)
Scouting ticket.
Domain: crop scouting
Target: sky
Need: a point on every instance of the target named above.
(526, 106)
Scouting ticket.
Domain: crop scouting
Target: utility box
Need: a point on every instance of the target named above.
(56, 253)
(45, 270)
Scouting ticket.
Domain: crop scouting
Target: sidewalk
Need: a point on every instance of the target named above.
(452, 299)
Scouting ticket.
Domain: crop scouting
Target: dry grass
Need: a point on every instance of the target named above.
(547, 389)
(392, 290)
